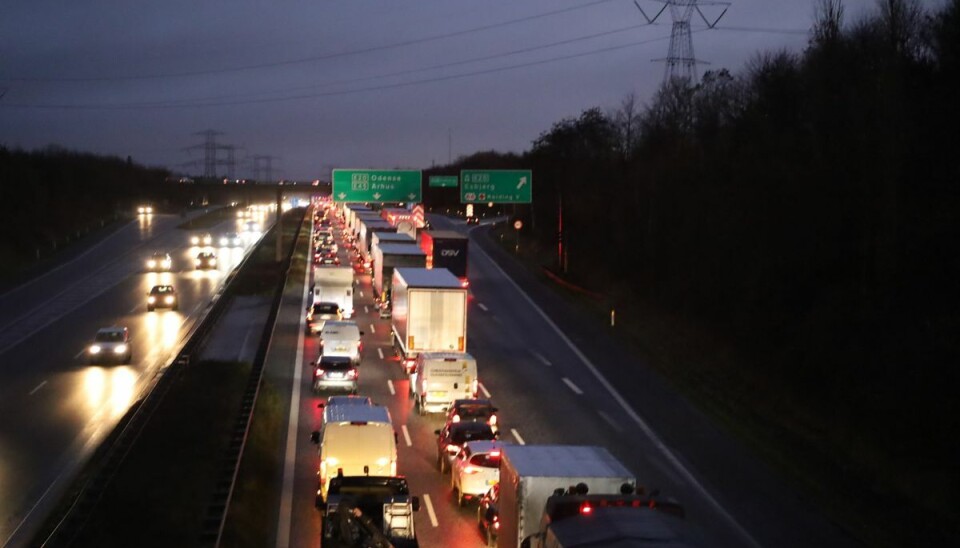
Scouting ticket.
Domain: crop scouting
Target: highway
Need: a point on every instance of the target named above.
(557, 380)
(56, 407)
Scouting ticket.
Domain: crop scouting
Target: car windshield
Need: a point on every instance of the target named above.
(109, 336)
(161, 289)
(470, 411)
(486, 460)
(159, 255)
(325, 308)
(335, 365)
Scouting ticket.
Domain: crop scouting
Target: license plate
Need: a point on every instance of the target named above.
(336, 375)
(438, 394)
(341, 349)
(491, 481)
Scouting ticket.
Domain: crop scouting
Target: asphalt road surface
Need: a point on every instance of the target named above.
(557, 380)
(57, 407)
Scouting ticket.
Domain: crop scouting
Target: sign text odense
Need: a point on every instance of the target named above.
(371, 185)
(497, 186)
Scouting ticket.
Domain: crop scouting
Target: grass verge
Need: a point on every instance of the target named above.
(160, 494)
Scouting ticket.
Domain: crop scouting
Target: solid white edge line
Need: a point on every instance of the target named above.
(430, 512)
(484, 390)
(516, 436)
(482, 307)
(380, 353)
(406, 435)
(38, 387)
(393, 391)
(569, 383)
(290, 457)
(657, 442)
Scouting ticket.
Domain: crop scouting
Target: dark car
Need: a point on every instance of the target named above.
(206, 260)
(319, 313)
(488, 515)
(162, 296)
(335, 373)
(473, 220)
(473, 410)
(451, 437)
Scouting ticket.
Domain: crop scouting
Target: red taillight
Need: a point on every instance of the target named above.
(453, 449)
(359, 346)
(493, 420)
(456, 418)
(319, 372)
(464, 283)
(495, 453)
(475, 387)
(352, 374)
(496, 522)
(585, 508)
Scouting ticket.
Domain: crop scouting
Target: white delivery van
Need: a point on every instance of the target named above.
(442, 377)
(341, 338)
(357, 440)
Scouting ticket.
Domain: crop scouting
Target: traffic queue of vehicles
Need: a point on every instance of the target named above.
(516, 488)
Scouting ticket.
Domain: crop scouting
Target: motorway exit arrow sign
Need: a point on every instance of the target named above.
(376, 185)
(497, 186)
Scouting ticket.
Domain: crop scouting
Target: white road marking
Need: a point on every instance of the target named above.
(406, 435)
(540, 357)
(516, 436)
(393, 391)
(575, 388)
(366, 309)
(77, 357)
(380, 353)
(484, 390)
(610, 421)
(430, 512)
(658, 443)
(290, 457)
(373, 329)
(482, 307)
(360, 292)
(38, 387)
(134, 309)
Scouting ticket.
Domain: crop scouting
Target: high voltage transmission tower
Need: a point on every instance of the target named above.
(680, 60)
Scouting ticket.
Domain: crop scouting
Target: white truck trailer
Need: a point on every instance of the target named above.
(389, 256)
(530, 474)
(429, 313)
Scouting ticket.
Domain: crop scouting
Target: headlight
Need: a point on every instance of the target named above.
(95, 349)
(166, 264)
(149, 210)
(332, 461)
(140, 210)
(382, 461)
(207, 239)
(151, 300)
(213, 262)
(168, 299)
(224, 241)
(151, 264)
(196, 262)
(120, 349)
(194, 240)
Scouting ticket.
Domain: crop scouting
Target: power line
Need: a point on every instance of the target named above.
(315, 58)
(135, 106)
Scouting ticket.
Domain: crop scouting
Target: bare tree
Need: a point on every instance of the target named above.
(827, 22)
(626, 121)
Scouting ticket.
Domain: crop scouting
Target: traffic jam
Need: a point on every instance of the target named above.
(557, 495)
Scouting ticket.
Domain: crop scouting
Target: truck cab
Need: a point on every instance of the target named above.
(369, 511)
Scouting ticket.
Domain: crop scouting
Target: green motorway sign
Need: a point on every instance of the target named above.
(373, 185)
(443, 180)
(496, 185)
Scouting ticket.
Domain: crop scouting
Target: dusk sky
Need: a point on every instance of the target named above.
(336, 83)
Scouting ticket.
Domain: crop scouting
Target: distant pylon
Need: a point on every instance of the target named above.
(209, 152)
(680, 60)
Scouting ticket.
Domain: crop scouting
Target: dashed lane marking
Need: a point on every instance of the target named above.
(610, 421)
(575, 388)
(406, 435)
(484, 390)
(516, 436)
(38, 387)
(373, 329)
(393, 391)
(483, 307)
(540, 357)
(380, 353)
(430, 512)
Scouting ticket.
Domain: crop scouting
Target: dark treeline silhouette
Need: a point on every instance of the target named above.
(805, 210)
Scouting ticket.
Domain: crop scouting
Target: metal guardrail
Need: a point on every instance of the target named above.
(115, 448)
(215, 519)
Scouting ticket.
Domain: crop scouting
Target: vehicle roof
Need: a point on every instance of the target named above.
(472, 403)
(464, 426)
(393, 237)
(445, 235)
(349, 400)
(334, 324)
(162, 288)
(113, 329)
(433, 277)
(357, 413)
(564, 460)
(206, 254)
(160, 254)
(446, 355)
(624, 528)
(401, 249)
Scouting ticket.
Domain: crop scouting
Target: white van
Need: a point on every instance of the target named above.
(357, 440)
(439, 378)
(341, 338)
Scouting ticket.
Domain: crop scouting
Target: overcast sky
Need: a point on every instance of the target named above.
(344, 83)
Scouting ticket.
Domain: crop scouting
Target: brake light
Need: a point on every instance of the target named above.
(453, 449)
(359, 346)
(456, 418)
(496, 522)
(474, 387)
(493, 420)
(464, 283)
(352, 374)
(495, 453)
(586, 509)
(319, 372)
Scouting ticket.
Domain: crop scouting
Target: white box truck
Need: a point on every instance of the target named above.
(429, 313)
(440, 378)
(355, 440)
(334, 284)
(388, 256)
(530, 474)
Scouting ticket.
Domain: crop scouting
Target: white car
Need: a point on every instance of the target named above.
(201, 239)
(159, 262)
(111, 344)
(475, 469)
